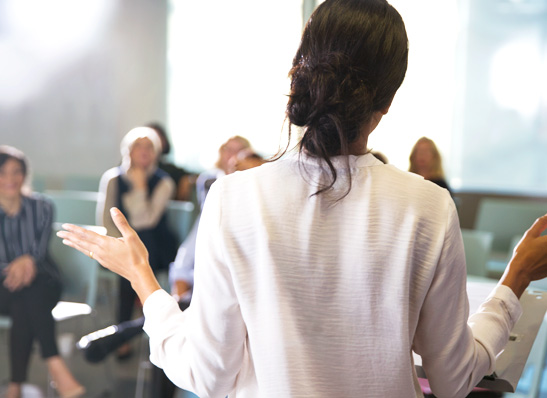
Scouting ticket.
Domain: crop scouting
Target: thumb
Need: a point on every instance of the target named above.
(121, 222)
(537, 227)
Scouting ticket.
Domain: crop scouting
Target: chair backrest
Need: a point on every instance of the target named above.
(477, 245)
(75, 207)
(180, 218)
(507, 218)
(79, 273)
(81, 183)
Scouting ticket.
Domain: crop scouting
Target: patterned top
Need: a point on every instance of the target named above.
(28, 232)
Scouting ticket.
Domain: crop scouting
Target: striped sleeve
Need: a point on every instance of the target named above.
(38, 229)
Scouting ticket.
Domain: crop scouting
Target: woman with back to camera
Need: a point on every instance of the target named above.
(30, 284)
(142, 192)
(317, 275)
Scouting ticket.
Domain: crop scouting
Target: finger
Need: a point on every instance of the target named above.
(12, 283)
(82, 246)
(537, 227)
(82, 239)
(121, 222)
(83, 233)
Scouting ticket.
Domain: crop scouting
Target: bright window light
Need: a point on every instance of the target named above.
(515, 72)
(228, 65)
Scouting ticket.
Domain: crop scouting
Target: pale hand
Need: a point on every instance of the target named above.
(126, 256)
(20, 273)
(529, 260)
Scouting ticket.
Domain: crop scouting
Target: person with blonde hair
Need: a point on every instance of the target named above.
(425, 160)
(30, 284)
(142, 192)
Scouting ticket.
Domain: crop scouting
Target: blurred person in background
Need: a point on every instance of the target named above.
(30, 284)
(142, 192)
(425, 160)
(184, 180)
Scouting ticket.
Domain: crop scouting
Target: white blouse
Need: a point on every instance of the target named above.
(300, 295)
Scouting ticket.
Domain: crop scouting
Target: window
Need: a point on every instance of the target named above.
(228, 65)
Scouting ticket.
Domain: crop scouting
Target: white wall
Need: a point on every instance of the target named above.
(96, 77)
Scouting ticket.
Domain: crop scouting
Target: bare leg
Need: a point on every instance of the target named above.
(65, 383)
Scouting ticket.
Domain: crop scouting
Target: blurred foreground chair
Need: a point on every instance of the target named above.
(80, 275)
(80, 207)
(81, 183)
(75, 207)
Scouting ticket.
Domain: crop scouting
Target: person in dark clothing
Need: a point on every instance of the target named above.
(30, 284)
(142, 192)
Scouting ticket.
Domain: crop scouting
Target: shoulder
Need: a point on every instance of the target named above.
(109, 177)
(37, 199)
(40, 205)
(111, 174)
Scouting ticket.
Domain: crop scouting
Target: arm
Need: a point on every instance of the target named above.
(529, 259)
(22, 270)
(145, 212)
(455, 354)
(202, 349)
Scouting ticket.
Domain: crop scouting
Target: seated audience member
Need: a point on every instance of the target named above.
(30, 284)
(142, 192)
(425, 160)
(225, 164)
(184, 180)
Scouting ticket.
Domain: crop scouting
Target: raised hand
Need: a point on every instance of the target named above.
(127, 256)
(529, 261)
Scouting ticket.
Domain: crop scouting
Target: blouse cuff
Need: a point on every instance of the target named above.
(157, 307)
(509, 301)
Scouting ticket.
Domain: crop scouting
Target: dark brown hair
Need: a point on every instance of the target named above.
(166, 145)
(8, 152)
(351, 61)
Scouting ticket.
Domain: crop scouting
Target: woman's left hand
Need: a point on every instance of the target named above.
(127, 256)
(20, 273)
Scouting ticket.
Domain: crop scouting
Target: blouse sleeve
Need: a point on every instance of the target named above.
(202, 349)
(456, 354)
(145, 211)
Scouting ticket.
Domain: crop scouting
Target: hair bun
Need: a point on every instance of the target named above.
(327, 89)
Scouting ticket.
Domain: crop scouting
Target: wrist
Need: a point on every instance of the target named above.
(145, 283)
(515, 278)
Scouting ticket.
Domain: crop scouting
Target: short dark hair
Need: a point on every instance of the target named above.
(351, 61)
(8, 152)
